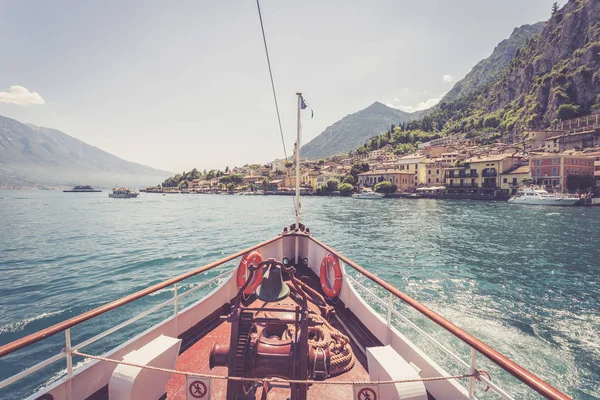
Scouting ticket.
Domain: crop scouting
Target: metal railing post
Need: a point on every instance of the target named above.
(472, 369)
(175, 300)
(69, 357)
(176, 308)
(390, 308)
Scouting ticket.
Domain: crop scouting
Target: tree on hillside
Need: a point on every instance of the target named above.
(349, 180)
(386, 187)
(568, 111)
(357, 169)
(227, 169)
(212, 174)
(231, 179)
(555, 7)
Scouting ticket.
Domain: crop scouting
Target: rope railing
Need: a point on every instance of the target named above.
(476, 374)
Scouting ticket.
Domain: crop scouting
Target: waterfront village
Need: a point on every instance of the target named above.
(565, 158)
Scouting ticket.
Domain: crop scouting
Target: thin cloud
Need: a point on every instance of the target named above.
(423, 105)
(448, 78)
(20, 96)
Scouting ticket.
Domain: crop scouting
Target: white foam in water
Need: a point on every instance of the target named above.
(20, 325)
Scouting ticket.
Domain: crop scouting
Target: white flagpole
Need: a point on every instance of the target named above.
(298, 162)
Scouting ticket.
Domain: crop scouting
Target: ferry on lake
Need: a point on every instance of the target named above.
(82, 189)
(540, 197)
(123, 193)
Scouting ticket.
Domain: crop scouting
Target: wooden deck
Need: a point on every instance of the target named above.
(195, 358)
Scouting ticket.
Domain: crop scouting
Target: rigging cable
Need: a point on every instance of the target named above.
(262, 28)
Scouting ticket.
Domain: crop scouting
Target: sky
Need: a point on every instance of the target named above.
(184, 84)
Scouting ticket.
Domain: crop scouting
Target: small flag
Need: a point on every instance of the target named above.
(304, 105)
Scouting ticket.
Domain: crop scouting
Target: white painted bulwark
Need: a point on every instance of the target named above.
(131, 383)
(386, 364)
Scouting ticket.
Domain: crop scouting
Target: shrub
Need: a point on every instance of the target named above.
(386, 187)
(567, 111)
(491, 122)
(346, 189)
(332, 185)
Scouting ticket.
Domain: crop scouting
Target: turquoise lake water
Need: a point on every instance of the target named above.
(526, 280)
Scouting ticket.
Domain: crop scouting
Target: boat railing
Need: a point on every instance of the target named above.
(476, 345)
(66, 326)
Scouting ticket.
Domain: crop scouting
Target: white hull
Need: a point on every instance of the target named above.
(543, 201)
(123, 196)
(373, 196)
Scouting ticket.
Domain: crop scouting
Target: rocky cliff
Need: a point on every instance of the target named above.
(489, 69)
(555, 75)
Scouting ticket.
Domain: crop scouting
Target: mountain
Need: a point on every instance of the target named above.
(489, 69)
(354, 130)
(554, 76)
(31, 155)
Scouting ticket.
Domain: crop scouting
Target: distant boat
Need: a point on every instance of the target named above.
(82, 189)
(367, 194)
(540, 197)
(123, 193)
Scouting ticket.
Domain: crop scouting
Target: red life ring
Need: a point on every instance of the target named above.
(253, 258)
(329, 290)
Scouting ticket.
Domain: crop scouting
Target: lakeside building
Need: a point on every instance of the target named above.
(275, 185)
(253, 180)
(410, 163)
(573, 141)
(431, 173)
(489, 168)
(481, 175)
(436, 151)
(323, 178)
(198, 184)
(512, 179)
(404, 180)
(460, 177)
(595, 155)
(309, 178)
(552, 170)
(449, 158)
(444, 141)
(536, 140)
(278, 165)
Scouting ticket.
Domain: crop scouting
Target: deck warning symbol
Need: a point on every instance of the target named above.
(363, 392)
(198, 388)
